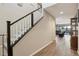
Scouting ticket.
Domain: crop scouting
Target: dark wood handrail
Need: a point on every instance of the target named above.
(24, 16)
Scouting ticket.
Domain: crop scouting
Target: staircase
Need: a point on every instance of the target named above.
(17, 29)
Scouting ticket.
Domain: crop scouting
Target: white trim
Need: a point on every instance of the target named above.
(41, 48)
(78, 51)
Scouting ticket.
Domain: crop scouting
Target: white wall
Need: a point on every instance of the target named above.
(45, 5)
(62, 21)
(42, 34)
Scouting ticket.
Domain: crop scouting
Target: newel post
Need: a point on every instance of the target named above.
(32, 20)
(9, 48)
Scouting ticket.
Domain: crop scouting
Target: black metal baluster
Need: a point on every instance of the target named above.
(32, 20)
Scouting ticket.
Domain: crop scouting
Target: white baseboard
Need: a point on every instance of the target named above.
(41, 48)
(78, 51)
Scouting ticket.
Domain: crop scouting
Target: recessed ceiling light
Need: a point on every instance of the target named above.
(61, 12)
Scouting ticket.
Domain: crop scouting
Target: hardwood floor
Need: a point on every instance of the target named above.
(60, 47)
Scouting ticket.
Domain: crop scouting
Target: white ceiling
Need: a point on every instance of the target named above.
(69, 10)
(45, 5)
